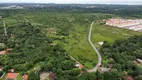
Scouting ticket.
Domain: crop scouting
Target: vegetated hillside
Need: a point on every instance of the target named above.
(31, 47)
(124, 54)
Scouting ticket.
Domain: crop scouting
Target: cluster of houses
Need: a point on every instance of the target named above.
(12, 7)
(11, 75)
(130, 24)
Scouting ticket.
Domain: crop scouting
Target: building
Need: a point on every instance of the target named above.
(104, 69)
(51, 30)
(100, 43)
(80, 66)
(128, 78)
(131, 24)
(2, 52)
(11, 76)
(11, 70)
(25, 77)
(139, 60)
(1, 68)
(52, 76)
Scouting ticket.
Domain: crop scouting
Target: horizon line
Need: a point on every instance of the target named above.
(109, 3)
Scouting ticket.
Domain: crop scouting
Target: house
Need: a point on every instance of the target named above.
(139, 60)
(25, 77)
(1, 68)
(2, 52)
(103, 69)
(11, 70)
(52, 76)
(9, 49)
(80, 66)
(51, 30)
(11, 76)
(128, 78)
(101, 43)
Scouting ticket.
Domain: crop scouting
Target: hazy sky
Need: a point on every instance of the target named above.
(74, 1)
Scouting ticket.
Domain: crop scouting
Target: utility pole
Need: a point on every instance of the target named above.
(5, 31)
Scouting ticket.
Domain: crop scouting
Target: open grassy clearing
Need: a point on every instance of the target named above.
(107, 33)
(79, 47)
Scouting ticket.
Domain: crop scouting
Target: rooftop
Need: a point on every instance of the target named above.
(11, 75)
(129, 78)
(25, 77)
(3, 52)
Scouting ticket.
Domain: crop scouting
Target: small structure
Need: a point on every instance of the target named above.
(139, 60)
(11, 76)
(11, 70)
(2, 52)
(128, 78)
(51, 30)
(9, 49)
(52, 76)
(25, 77)
(44, 75)
(101, 43)
(1, 68)
(80, 66)
(103, 69)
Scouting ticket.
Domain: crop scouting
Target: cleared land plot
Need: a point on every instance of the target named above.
(79, 47)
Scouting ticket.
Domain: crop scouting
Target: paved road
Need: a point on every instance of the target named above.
(95, 49)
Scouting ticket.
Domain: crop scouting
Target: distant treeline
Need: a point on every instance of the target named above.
(120, 10)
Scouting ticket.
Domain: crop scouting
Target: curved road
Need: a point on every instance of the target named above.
(95, 49)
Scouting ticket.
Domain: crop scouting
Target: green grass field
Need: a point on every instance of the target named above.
(102, 33)
(79, 47)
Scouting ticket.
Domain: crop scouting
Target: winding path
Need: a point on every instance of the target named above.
(95, 49)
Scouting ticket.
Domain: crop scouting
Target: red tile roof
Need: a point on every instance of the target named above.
(3, 52)
(11, 75)
(129, 78)
(0, 68)
(52, 76)
(25, 77)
